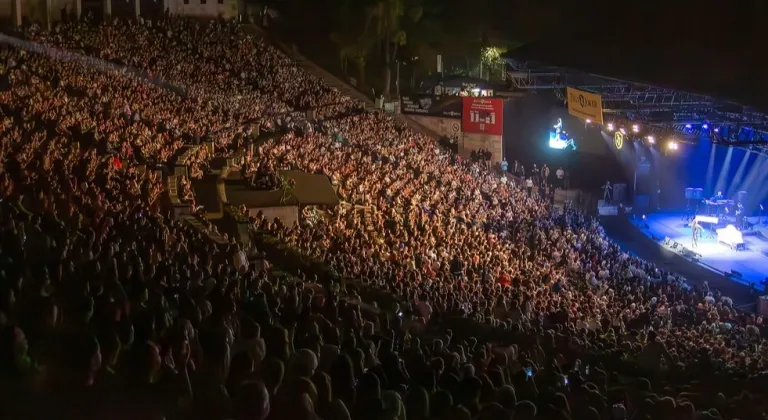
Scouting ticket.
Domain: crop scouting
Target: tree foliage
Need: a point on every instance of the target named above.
(380, 35)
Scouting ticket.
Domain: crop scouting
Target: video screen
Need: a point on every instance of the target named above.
(559, 138)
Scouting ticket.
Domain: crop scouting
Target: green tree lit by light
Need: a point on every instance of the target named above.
(492, 55)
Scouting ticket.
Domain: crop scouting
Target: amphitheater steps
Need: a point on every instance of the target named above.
(214, 236)
(173, 190)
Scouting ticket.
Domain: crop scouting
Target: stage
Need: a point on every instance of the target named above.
(751, 263)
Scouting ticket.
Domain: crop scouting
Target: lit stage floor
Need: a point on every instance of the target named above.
(752, 262)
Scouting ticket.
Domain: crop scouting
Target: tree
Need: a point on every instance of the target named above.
(353, 42)
(355, 50)
(384, 20)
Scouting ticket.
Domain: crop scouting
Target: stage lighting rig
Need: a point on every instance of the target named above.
(663, 112)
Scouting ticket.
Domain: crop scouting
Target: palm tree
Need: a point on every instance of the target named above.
(353, 50)
(384, 20)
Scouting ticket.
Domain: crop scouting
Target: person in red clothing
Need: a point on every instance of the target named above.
(504, 280)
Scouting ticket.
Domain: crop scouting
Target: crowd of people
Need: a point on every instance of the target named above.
(111, 309)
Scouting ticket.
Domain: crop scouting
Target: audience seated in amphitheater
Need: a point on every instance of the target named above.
(111, 309)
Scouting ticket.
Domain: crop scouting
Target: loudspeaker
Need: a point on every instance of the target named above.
(736, 274)
(619, 193)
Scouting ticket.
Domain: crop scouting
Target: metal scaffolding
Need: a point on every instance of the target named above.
(688, 114)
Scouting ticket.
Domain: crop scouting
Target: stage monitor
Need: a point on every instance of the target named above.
(559, 138)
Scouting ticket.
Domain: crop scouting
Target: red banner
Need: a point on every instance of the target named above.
(483, 116)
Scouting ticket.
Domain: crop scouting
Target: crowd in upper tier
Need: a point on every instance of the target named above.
(112, 309)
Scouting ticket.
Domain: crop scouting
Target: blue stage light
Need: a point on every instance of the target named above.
(705, 126)
(688, 126)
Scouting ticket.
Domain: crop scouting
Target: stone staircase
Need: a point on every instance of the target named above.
(214, 236)
(173, 190)
(369, 218)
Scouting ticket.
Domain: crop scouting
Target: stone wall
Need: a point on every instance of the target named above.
(204, 8)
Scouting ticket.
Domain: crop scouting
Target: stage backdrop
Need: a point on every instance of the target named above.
(483, 116)
(716, 168)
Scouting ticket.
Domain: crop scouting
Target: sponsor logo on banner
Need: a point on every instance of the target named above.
(618, 140)
(483, 116)
(432, 106)
(585, 105)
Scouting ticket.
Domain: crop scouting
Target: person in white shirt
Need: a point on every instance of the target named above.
(529, 186)
(240, 260)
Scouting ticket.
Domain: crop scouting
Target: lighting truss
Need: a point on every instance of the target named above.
(658, 109)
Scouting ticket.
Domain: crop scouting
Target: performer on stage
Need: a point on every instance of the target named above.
(740, 219)
(716, 209)
(695, 233)
(607, 191)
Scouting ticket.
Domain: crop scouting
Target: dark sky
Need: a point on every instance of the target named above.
(705, 47)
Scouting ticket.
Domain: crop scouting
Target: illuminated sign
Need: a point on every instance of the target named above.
(585, 105)
(483, 116)
(618, 140)
(559, 139)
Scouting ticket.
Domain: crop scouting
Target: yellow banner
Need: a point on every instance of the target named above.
(585, 105)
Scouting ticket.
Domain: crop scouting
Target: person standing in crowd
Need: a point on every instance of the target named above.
(504, 165)
(529, 186)
(520, 171)
(560, 174)
(545, 174)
